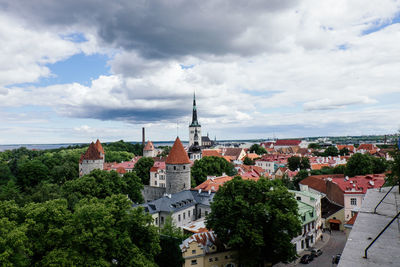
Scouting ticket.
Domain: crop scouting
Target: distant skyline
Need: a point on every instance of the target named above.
(74, 71)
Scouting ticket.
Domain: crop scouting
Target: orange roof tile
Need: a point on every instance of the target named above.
(177, 155)
(210, 153)
(92, 153)
(99, 147)
(121, 170)
(149, 146)
(319, 166)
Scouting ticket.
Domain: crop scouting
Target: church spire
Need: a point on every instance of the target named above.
(194, 113)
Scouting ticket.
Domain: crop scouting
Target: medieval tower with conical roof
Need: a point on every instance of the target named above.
(92, 159)
(177, 169)
(194, 126)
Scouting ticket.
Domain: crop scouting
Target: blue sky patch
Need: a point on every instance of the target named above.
(379, 24)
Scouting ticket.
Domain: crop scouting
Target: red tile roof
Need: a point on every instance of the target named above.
(360, 184)
(351, 148)
(121, 170)
(210, 153)
(177, 155)
(92, 153)
(353, 219)
(367, 147)
(315, 183)
(319, 166)
(287, 142)
(149, 146)
(99, 147)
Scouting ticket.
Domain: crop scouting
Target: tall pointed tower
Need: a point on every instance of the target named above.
(177, 169)
(194, 126)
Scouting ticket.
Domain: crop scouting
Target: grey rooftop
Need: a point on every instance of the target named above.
(178, 201)
(386, 250)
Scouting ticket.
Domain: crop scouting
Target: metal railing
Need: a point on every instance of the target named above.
(384, 229)
(384, 198)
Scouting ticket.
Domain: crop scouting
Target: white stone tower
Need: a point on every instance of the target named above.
(194, 126)
(177, 169)
(92, 159)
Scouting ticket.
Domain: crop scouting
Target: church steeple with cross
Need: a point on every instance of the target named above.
(194, 127)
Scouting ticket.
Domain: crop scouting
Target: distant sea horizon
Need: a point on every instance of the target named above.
(156, 143)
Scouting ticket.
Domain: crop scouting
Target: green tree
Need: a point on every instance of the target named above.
(344, 151)
(248, 161)
(331, 151)
(266, 204)
(295, 162)
(170, 239)
(359, 164)
(14, 247)
(31, 173)
(5, 173)
(118, 156)
(301, 175)
(259, 150)
(142, 169)
(379, 165)
(11, 191)
(314, 146)
(165, 150)
(102, 184)
(305, 163)
(211, 166)
(393, 177)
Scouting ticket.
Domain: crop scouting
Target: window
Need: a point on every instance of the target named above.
(298, 198)
(206, 213)
(210, 259)
(194, 262)
(189, 213)
(162, 220)
(175, 170)
(184, 167)
(353, 201)
(302, 244)
(184, 215)
(157, 221)
(155, 182)
(199, 213)
(303, 218)
(179, 218)
(193, 251)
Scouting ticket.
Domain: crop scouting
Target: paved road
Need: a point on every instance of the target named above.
(335, 245)
(332, 245)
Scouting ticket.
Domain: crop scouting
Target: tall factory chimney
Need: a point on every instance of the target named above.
(143, 137)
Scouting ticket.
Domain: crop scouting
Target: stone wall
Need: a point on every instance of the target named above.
(178, 177)
(151, 193)
(89, 165)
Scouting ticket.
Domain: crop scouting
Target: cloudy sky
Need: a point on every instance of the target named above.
(77, 70)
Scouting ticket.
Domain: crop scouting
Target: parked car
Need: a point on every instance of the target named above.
(316, 252)
(336, 259)
(307, 258)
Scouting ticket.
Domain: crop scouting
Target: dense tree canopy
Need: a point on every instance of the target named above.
(96, 232)
(265, 204)
(330, 151)
(295, 162)
(360, 164)
(248, 161)
(259, 150)
(142, 169)
(118, 156)
(136, 149)
(102, 184)
(208, 166)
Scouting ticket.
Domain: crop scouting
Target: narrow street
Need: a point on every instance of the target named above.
(332, 245)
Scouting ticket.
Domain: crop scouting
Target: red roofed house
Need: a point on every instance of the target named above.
(158, 174)
(92, 159)
(234, 153)
(367, 148)
(344, 191)
(284, 143)
(204, 249)
(210, 153)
